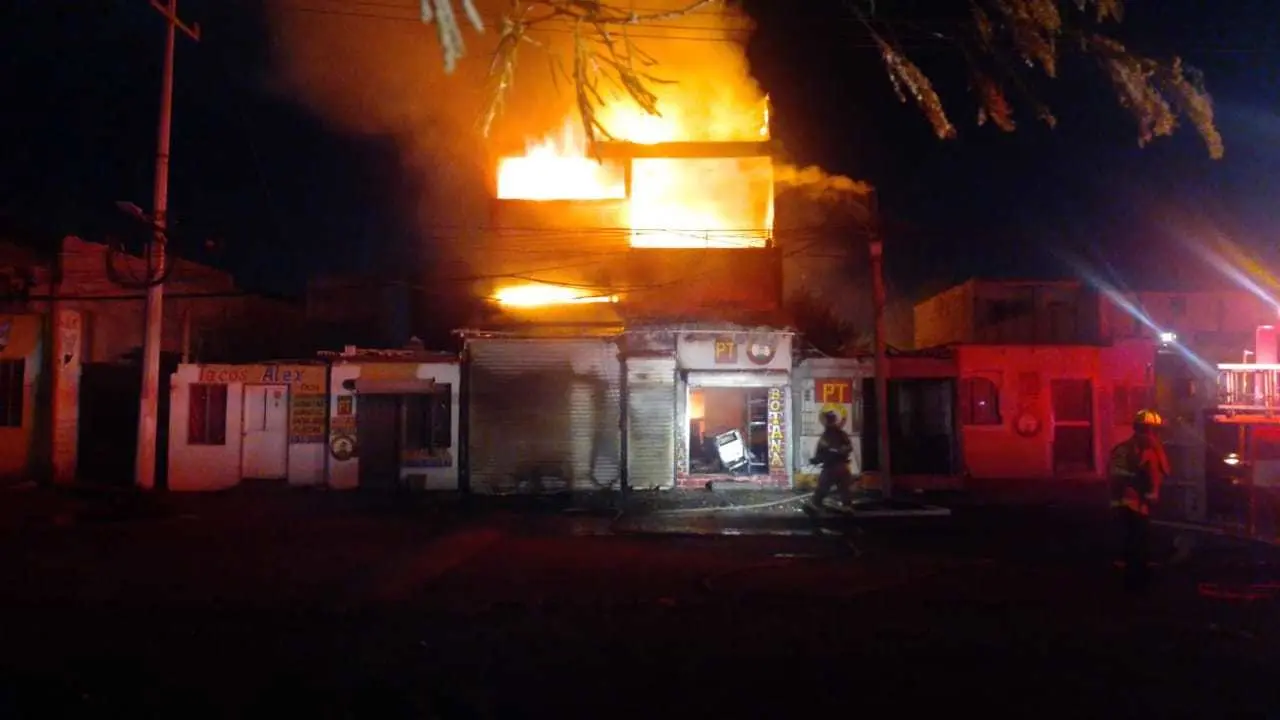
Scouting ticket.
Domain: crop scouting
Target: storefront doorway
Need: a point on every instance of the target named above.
(729, 431)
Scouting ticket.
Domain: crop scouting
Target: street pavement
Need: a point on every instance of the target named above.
(341, 605)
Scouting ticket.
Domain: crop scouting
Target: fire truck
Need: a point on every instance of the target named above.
(1242, 440)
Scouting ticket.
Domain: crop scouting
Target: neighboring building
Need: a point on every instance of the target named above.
(1218, 326)
(231, 422)
(1009, 313)
(394, 419)
(1045, 382)
(1032, 412)
(361, 418)
(96, 306)
(24, 420)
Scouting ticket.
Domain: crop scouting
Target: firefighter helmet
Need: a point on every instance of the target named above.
(1150, 418)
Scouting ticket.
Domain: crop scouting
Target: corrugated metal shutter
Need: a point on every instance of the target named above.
(651, 422)
(544, 415)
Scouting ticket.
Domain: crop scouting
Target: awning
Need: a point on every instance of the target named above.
(395, 386)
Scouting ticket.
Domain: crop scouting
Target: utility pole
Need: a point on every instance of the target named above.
(148, 407)
(881, 352)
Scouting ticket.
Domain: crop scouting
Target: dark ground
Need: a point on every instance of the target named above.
(332, 605)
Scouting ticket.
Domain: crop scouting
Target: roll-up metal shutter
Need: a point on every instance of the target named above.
(544, 415)
(651, 420)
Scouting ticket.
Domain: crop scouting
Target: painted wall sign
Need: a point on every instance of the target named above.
(776, 426)
(730, 351)
(726, 351)
(304, 378)
(829, 395)
(761, 349)
(307, 415)
(343, 447)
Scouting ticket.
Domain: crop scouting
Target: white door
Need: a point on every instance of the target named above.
(264, 448)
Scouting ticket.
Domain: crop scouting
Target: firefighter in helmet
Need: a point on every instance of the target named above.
(1137, 469)
(832, 453)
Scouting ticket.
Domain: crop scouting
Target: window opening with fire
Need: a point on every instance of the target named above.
(677, 180)
(728, 431)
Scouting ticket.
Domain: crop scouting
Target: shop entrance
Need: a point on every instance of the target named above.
(728, 433)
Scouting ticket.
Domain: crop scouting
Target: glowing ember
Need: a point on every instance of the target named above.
(540, 295)
(674, 202)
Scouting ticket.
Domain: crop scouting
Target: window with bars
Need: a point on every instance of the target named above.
(428, 419)
(207, 417)
(12, 392)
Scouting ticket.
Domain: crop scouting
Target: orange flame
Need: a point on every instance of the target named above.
(674, 202)
(540, 295)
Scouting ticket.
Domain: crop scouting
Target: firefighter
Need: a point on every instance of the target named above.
(832, 453)
(1138, 467)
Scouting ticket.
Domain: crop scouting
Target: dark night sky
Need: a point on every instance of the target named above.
(286, 195)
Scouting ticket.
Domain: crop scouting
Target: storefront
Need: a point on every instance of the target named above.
(228, 423)
(393, 420)
(733, 407)
(824, 385)
(543, 414)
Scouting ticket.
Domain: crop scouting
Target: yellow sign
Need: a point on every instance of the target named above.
(776, 428)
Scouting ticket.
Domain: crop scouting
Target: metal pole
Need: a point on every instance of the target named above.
(148, 405)
(882, 368)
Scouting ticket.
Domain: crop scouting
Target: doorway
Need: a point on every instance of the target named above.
(378, 432)
(264, 448)
(728, 431)
(1072, 426)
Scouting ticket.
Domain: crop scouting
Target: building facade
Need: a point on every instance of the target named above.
(648, 407)
(1049, 374)
(357, 419)
(92, 306)
(24, 419)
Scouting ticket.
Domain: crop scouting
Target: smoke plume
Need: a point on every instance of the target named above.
(380, 72)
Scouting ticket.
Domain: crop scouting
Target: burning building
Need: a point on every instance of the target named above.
(636, 338)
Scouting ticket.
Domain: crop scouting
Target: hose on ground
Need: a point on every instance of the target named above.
(728, 508)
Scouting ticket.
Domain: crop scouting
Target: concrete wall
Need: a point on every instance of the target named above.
(218, 467)
(1023, 376)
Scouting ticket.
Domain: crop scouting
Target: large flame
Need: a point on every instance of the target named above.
(673, 202)
(541, 294)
